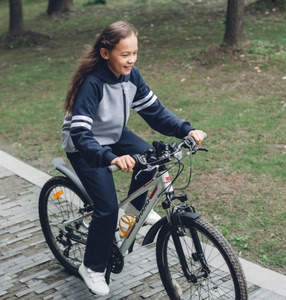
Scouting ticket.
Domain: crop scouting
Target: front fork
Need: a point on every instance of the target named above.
(178, 230)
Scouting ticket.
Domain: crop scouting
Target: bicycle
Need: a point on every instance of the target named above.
(194, 259)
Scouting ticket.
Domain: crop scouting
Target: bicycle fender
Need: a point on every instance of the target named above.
(61, 166)
(190, 214)
(152, 232)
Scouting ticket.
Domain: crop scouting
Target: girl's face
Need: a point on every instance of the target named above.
(121, 59)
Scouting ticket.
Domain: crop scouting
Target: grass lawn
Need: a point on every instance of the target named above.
(238, 99)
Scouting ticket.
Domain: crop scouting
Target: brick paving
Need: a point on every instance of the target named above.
(28, 270)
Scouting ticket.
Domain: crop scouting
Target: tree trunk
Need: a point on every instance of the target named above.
(60, 6)
(16, 25)
(234, 23)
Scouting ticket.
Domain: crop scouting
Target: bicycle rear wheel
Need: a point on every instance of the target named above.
(59, 202)
(226, 279)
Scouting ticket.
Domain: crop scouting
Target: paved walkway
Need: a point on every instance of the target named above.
(28, 270)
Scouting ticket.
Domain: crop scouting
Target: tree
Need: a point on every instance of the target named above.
(234, 23)
(16, 25)
(60, 6)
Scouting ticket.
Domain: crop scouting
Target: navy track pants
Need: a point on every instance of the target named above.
(100, 186)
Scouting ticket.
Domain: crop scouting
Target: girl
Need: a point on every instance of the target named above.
(104, 88)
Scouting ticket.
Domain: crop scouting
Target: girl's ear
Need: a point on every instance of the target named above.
(104, 53)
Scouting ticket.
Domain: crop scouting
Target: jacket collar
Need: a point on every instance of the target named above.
(105, 74)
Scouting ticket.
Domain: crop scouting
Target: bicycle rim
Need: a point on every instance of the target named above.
(59, 201)
(226, 279)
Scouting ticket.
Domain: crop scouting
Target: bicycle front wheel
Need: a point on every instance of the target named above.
(59, 202)
(225, 280)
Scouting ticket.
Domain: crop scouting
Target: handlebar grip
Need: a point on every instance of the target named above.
(113, 168)
(205, 135)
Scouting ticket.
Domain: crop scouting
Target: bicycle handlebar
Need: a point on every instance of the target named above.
(187, 142)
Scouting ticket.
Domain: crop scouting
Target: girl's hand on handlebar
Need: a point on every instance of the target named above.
(198, 136)
(125, 162)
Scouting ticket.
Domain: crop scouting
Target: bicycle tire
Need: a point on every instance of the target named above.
(59, 201)
(226, 279)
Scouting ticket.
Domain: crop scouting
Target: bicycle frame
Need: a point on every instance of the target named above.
(160, 183)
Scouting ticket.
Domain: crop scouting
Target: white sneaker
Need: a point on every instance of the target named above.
(95, 281)
(152, 218)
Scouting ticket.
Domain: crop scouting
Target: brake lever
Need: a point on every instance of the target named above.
(189, 142)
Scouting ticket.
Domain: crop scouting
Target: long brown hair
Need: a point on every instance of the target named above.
(108, 39)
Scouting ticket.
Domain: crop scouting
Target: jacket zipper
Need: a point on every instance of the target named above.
(124, 106)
